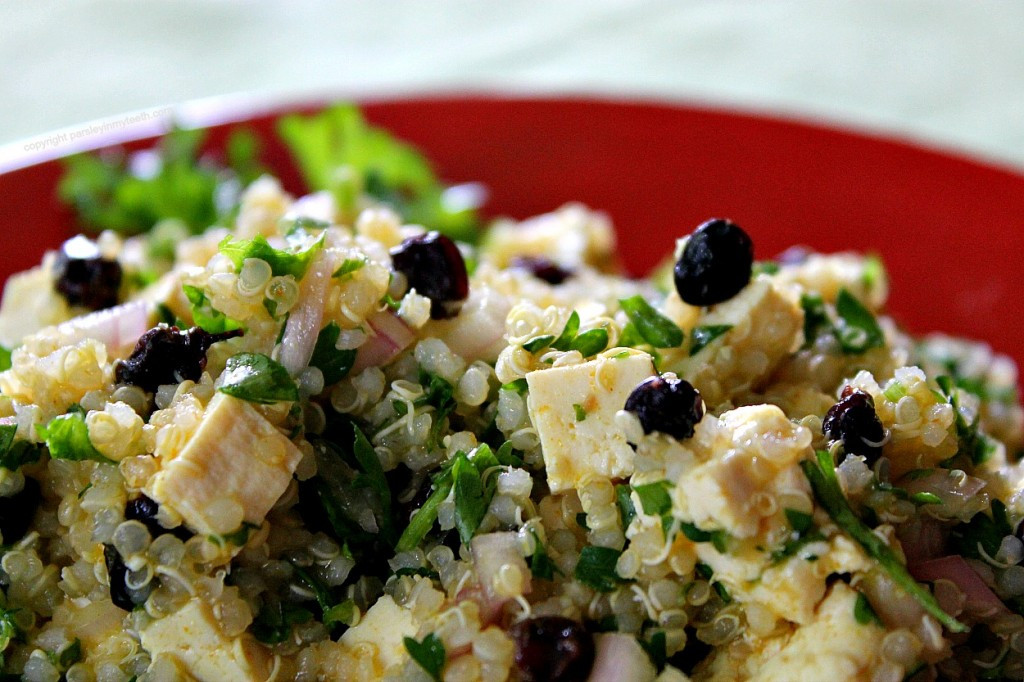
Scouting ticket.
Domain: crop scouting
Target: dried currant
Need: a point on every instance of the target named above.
(853, 421)
(17, 511)
(541, 268)
(168, 355)
(668, 405)
(144, 510)
(117, 572)
(716, 263)
(433, 265)
(552, 648)
(84, 277)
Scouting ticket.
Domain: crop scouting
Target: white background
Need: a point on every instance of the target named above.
(948, 72)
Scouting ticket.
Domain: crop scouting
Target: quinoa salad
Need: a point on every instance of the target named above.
(360, 433)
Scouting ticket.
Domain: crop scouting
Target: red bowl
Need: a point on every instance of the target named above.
(950, 229)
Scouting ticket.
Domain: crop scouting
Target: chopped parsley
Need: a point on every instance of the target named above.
(983, 534)
(822, 476)
(348, 267)
(273, 624)
(816, 320)
(282, 262)
(335, 364)
(5, 359)
(857, 329)
(863, 611)
(372, 477)
(538, 343)
(803, 533)
(205, 315)
(67, 437)
(519, 386)
(541, 565)
(596, 568)
(429, 654)
(258, 379)
(581, 414)
(656, 650)
(338, 150)
(652, 326)
(15, 453)
(972, 442)
(471, 501)
(625, 502)
(702, 336)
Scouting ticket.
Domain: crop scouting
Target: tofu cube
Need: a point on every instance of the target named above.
(193, 637)
(233, 469)
(385, 625)
(578, 449)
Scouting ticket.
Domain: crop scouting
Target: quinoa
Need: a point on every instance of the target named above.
(356, 488)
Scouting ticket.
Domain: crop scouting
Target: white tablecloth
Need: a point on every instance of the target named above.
(947, 72)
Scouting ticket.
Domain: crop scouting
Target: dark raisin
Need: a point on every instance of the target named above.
(715, 264)
(84, 277)
(552, 648)
(671, 406)
(18, 510)
(853, 420)
(116, 574)
(144, 510)
(541, 268)
(433, 266)
(168, 355)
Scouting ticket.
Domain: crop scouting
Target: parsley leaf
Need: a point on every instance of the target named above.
(349, 266)
(9, 629)
(655, 328)
(596, 568)
(470, 500)
(541, 565)
(423, 518)
(702, 336)
(590, 342)
(337, 149)
(655, 648)
(626, 510)
(258, 379)
(655, 498)
(863, 612)
(520, 386)
(581, 414)
(825, 484)
(429, 654)
(816, 321)
(857, 330)
(335, 364)
(5, 359)
(273, 624)
(972, 442)
(205, 315)
(569, 332)
(15, 453)
(983, 533)
(281, 262)
(538, 343)
(373, 477)
(67, 437)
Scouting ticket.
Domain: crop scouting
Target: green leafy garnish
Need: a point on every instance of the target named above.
(654, 498)
(518, 385)
(340, 614)
(596, 568)
(803, 533)
(15, 453)
(653, 327)
(470, 499)
(429, 654)
(70, 655)
(825, 484)
(372, 476)
(857, 329)
(873, 273)
(983, 534)
(590, 342)
(349, 266)
(258, 379)
(67, 437)
(581, 414)
(655, 648)
(625, 502)
(5, 359)
(702, 336)
(423, 518)
(764, 267)
(9, 629)
(273, 624)
(863, 611)
(541, 565)
(569, 332)
(718, 538)
(333, 363)
(816, 321)
(282, 262)
(538, 343)
(337, 150)
(205, 315)
(972, 442)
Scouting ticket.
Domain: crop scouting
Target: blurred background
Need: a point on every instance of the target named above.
(949, 73)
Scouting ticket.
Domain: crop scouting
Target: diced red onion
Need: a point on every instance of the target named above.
(922, 538)
(619, 658)
(390, 337)
(304, 321)
(117, 328)
(981, 600)
(478, 332)
(492, 552)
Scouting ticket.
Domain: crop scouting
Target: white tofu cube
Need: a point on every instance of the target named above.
(233, 469)
(577, 449)
(385, 625)
(193, 637)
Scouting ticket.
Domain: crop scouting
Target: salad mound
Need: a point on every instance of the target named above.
(365, 433)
